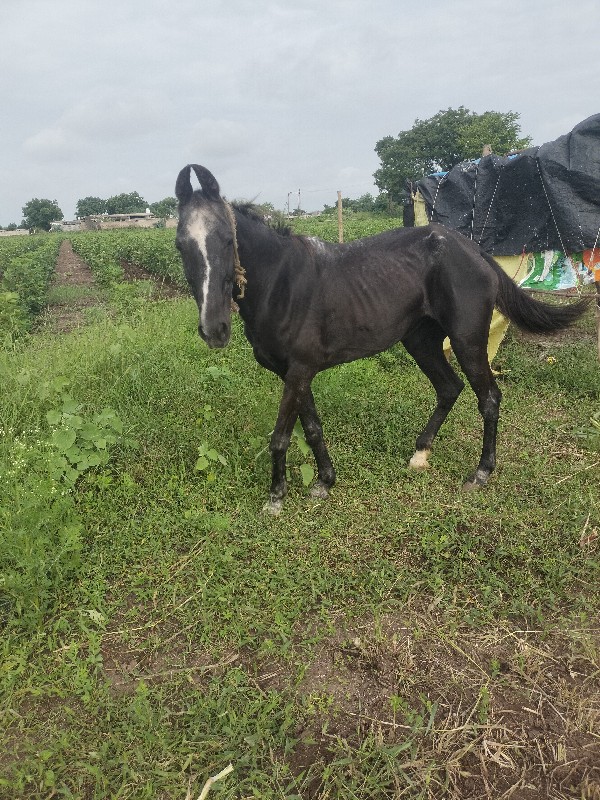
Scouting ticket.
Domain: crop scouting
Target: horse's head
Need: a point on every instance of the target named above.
(205, 239)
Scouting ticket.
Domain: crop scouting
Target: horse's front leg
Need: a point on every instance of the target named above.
(313, 433)
(295, 392)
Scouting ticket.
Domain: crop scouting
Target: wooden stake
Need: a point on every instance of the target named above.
(340, 223)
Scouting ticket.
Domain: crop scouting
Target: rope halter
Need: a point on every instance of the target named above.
(240, 272)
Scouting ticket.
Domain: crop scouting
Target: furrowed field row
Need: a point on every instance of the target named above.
(104, 251)
(154, 249)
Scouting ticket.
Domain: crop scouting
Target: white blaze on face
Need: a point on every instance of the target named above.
(199, 228)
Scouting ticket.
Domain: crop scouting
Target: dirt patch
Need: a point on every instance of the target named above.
(71, 270)
(72, 291)
(499, 711)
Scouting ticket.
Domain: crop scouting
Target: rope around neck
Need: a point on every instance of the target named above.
(240, 272)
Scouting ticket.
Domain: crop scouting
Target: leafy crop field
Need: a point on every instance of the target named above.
(399, 640)
(26, 269)
(355, 226)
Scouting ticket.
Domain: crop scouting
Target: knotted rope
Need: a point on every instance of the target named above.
(240, 272)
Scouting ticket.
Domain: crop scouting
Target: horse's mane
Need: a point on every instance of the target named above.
(276, 222)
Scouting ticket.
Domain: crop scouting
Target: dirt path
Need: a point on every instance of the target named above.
(73, 291)
(71, 270)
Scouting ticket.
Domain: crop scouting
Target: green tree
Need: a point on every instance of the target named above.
(88, 206)
(130, 203)
(500, 131)
(441, 142)
(164, 208)
(40, 213)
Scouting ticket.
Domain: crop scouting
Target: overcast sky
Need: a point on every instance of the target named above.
(99, 98)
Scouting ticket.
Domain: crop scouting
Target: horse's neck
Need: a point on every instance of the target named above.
(262, 251)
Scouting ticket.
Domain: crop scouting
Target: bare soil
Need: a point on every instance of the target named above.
(495, 712)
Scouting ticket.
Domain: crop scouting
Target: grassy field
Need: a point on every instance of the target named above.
(401, 639)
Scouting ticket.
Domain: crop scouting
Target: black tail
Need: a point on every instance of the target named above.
(529, 314)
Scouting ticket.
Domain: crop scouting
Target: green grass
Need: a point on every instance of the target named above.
(65, 294)
(157, 624)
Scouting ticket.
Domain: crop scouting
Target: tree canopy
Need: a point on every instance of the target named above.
(39, 213)
(164, 208)
(441, 142)
(131, 203)
(90, 205)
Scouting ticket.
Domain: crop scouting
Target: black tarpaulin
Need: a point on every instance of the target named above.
(544, 198)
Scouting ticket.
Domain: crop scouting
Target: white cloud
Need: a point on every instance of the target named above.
(98, 122)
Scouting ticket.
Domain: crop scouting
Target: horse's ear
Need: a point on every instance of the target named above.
(183, 186)
(208, 182)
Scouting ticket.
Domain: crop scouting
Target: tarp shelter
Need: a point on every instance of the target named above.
(537, 212)
(543, 198)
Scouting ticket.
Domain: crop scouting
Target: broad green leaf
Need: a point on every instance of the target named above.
(54, 417)
(303, 446)
(70, 406)
(74, 454)
(64, 438)
(89, 431)
(307, 473)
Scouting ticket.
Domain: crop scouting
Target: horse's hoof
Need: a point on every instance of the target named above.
(419, 460)
(273, 507)
(475, 482)
(319, 491)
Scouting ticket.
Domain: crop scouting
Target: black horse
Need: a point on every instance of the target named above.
(308, 305)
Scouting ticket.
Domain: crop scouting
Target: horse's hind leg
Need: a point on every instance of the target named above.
(313, 432)
(474, 362)
(424, 343)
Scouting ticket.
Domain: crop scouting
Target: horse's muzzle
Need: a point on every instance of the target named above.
(217, 337)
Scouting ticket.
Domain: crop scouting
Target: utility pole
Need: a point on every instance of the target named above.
(340, 222)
